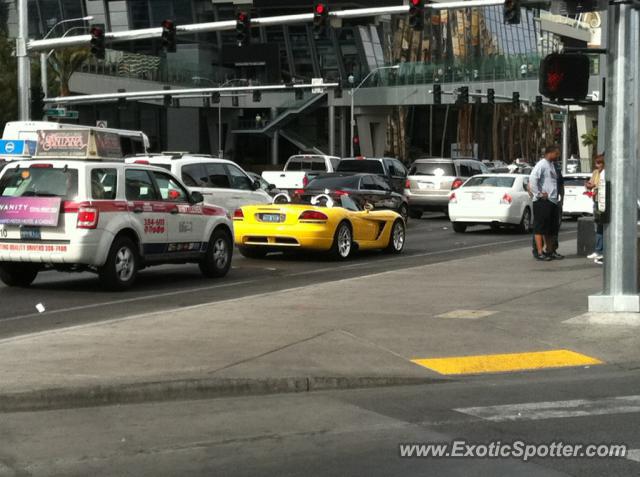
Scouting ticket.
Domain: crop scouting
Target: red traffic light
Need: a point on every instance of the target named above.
(96, 32)
(242, 17)
(565, 76)
(168, 25)
(416, 3)
(320, 9)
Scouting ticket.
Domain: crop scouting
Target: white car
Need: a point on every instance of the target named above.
(221, 182)
(72, 214)
(576, 203)
(492, 199)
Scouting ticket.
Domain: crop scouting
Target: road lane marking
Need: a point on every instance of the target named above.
(633, 454)
(466, 314)
(245, 282)
(533, 411)
(499, 363)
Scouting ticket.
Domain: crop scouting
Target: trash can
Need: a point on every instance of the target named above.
(586, 236)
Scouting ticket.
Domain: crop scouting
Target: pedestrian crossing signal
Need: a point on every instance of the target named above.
(565, 76)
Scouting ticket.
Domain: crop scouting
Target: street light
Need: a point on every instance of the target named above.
(353, 92)
(44, 80)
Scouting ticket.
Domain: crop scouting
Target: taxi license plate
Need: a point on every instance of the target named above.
(426, 185)
(30, 233)
(272, 217)
(477, 196)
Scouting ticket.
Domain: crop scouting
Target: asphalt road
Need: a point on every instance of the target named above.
(71, 299)
(354, 433)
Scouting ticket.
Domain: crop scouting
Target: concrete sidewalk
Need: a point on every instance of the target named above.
(353, 332)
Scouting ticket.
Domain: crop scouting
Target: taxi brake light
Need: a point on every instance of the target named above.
(141, 161)
(506, 199)
(453, 199)
(88, 218)
(313, 215)
(238, 214)
(40, 166)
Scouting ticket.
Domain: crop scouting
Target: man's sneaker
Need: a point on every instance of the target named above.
(599, 261)
(599, 257)
(543, 258)
(593, 256)
(556, 256)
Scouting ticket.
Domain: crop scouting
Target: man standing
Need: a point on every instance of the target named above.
(544, 188)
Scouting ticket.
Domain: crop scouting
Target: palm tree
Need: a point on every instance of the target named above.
(590, 140)
(66, 62)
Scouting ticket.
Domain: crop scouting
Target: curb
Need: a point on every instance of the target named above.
(189, 389)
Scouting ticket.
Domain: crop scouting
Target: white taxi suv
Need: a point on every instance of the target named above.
(221, 182)
(492, 199)
(64, 212)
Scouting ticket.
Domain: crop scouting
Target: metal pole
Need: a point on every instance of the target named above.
(274, 147)
(332, 130)
(431, 130)
(565, 140)
(24, 66)
(44, 79)
(620, 292)
(343, 132)
(220, 151)
(352, 121)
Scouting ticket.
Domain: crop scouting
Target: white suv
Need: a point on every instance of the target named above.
(221, 182)
(104, 216)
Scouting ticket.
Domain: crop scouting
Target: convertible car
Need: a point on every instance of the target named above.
(329, 222)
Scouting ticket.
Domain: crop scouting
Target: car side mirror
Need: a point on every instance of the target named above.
(368, 207)
(195, 197)
(270, 187)
(255, 184)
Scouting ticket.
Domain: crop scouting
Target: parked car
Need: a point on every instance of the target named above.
(576, 203)
(299, 170)
(221, 182)
(390, 168)
(492, 199)
(264, 185)
(430, 182)
(364, 188)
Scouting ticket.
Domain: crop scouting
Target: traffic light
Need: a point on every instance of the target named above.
(320, 20)
(356, 146)
(511, 10)
(215, 97)
(243, 28)
(257, 96)
(122, 102)
(491, 96)
(564, 76)
(538, 104)
(169, 36)
(37, 103)
(97, 42)
(463, 95)
(515, 99)
(437, 94)
(416, 14)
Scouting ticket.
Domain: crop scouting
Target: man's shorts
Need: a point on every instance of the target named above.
(545, 217)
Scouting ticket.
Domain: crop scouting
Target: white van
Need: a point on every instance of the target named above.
(131, 142)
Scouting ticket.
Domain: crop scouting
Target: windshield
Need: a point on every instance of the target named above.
(432, 169)
(39, 182)
(357, 165)
(490, 181)
(334, 182)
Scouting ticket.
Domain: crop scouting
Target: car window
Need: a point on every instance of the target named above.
(367, 183)
(169, 188)
(217, 175)
(476, 168)
(490, 181)
(294, 165)
(381, 184)
(437, 169)
(390, 167)
(361, 165)
(400, 169)
(465, 170)
(139, 186)
(348, 203)
(40, 182)
(104, 184)
(334, 182)
(238, 179)
(525, 184)
(194, 175)
(318, 165)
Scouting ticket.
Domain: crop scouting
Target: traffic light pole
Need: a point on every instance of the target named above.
(620, 293)
(24, 66)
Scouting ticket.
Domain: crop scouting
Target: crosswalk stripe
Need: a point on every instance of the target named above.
(633, 454)
(555, 409)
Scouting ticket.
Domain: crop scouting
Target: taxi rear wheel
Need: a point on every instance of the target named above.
(18, 274)
(217, 260)
(121, 268)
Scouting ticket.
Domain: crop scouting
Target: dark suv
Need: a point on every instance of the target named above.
(388, 167)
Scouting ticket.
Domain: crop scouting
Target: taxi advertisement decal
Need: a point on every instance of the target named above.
(41, 211)
(30, 247)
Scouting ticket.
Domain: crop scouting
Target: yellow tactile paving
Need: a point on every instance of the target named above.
(497, 363)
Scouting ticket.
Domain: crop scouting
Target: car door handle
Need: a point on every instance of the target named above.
(174, 211)
(137, 210)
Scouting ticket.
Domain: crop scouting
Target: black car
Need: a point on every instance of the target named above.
(391, 169)
(362, 188)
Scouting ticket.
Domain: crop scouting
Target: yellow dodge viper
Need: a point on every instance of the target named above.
(330, 222)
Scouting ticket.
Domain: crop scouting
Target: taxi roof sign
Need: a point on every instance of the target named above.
(82, 144)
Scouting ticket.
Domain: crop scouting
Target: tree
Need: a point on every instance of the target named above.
(590, 140)
(66, 62)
